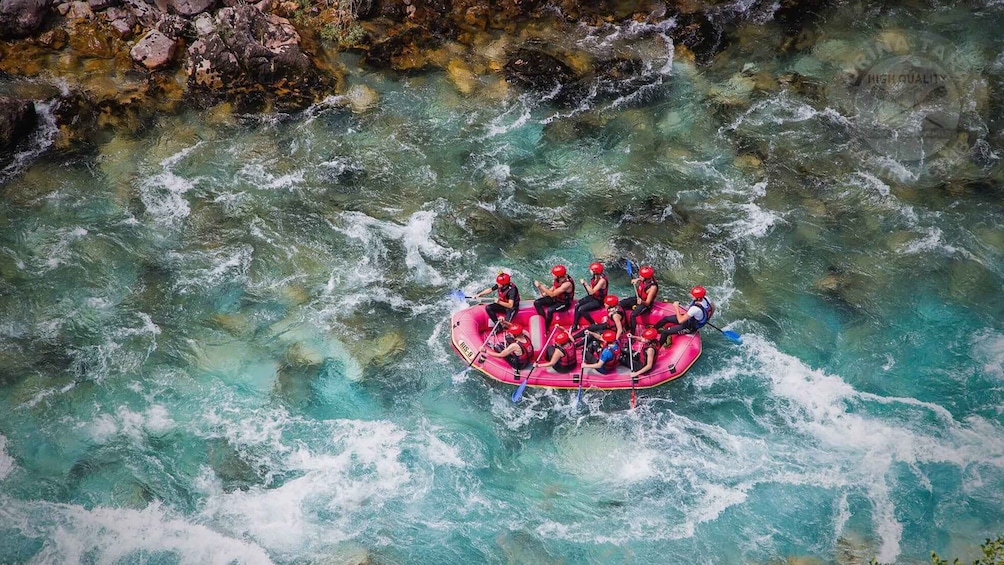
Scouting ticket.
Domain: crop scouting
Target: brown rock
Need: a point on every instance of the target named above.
(154, 51)
(53, 39)
(189, 7)
(80, 11)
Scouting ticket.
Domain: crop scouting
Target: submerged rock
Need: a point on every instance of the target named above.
(537, 71)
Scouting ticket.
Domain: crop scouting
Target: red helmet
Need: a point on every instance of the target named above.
(646, 272)
(516, 329)
(698, 292)
(562, 338)
(611, 301)
(502, 279)
(650, 334)
(609, 336)
(559, 270)
(596, 268)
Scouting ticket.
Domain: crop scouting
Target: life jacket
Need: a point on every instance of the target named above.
(567, 359)
(601, 293)
(614, 361)
(524, 358)
(639, 356)
(609, 319)
(565, 297)
(708, 312)
(515, 298)
(643, 286)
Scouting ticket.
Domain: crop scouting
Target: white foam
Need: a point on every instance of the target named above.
(415, 236)
(136, 426)
(73, 534)
(355, 473)
(6, 461)
(163, 194)
(988, 348)
(820, 405)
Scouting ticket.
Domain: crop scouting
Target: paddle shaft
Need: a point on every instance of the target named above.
(484, 343)
(522, 386)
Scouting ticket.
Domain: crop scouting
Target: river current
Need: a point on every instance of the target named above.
(226, 339)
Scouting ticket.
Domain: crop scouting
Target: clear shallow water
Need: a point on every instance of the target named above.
(226, 341)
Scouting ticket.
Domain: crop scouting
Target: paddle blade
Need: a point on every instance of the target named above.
(634, 401)
(578, 397)
(519, 391)
(733, 336)
(458, 295)
(629, 265)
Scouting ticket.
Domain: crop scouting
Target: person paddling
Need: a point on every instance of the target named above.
(596, 291)
(646, 291)
(561, 355)
(605, 361)
(615, 320)
(557, 298)
(688, 320)
(517, 350)
(643, 360)
(507, 302)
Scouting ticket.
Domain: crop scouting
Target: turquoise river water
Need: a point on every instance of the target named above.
(225, 340)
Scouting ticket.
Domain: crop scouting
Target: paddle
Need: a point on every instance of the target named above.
(480, 349)
(582, 372)
(522, 386)
(630, 352)
(733, 336)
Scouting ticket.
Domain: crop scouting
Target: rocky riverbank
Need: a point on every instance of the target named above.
(115, 64)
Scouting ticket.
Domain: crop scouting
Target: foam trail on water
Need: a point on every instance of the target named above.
(74, 534)
(6, 461)
(339, 484)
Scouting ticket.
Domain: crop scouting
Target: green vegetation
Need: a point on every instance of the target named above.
(993, 554)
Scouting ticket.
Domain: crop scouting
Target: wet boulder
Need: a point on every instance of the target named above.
(154, 51)
(537, 71)
(17, 120)
(243, 47)
(700, 35)
(20, 18)
(189, 8)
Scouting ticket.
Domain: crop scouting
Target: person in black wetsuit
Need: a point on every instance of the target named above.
(615, 320)
(517, 350)
(643, 360)
(561, 355)
(557, 298)
(687, 320)
(596, 290)
(507, 302)
(646, 291)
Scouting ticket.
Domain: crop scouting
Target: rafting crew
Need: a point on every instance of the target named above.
(506, 303)
(557, 298)
(615, 319)
(646, 291)
(643, 360)
(561, 355)
(596, 291)
(604, 355)
(687, 320)
(517, 349)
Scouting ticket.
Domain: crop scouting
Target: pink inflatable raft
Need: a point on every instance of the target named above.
(471, 326)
